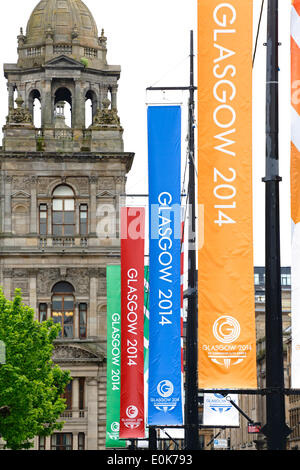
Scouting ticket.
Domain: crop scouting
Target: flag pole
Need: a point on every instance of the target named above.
(276, 429)
(191, 390)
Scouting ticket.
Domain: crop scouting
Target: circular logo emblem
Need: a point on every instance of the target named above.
(115, 426)
(165, 388)
(226, 329)
(132, 412)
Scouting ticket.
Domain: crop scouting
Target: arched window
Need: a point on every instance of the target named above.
(63, 308)
(63, 211)
(34, 104)
(64, 96)
(91, 104)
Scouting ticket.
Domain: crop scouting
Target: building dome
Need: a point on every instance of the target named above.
(63, 21)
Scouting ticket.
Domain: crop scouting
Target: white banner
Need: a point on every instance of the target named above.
(295, 191)
(218, 411)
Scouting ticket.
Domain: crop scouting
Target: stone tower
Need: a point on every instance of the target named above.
(61, 181)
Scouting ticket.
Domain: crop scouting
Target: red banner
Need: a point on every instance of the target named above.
(132, 420)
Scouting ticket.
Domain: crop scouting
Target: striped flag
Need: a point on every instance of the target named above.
(295, 189)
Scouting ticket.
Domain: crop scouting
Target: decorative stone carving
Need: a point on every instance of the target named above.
(79, 277)
(19, 115)
(44, 183)
(93, 179)
(30, 180)
(20, 280)
(18, 183)
(106, 118)
(106, 182)
(102, 283)
(45, 280)
(72, 353)
(80, 183)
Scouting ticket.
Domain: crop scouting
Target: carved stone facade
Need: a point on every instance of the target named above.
(57, 186)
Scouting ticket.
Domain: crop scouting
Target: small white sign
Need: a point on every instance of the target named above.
(220, 444)
(218, 411)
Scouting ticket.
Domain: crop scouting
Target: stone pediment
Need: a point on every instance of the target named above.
(106, 194)
(68, 353)
(64, 62)
(20, 195)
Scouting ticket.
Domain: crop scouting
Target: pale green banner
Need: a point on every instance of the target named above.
(113, 274)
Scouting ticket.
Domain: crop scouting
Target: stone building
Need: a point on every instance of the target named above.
(60, 187)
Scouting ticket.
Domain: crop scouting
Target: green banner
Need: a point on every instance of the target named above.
(113, 275)
(146, 343)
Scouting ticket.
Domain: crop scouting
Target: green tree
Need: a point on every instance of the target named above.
(30, 384)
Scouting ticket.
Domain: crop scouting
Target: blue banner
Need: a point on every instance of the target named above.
(164, 161)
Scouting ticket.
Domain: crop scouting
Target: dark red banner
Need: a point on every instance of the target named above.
(132, 419)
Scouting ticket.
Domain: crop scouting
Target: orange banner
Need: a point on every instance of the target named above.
(227, 343)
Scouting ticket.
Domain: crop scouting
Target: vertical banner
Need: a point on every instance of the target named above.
(146, 344)
(182, 303)
(164, 160)
(218, 411)
(227, 343)
(295, 191)
(113, 276)
(132, 419)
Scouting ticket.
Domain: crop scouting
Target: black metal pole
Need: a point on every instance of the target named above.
(191, 383)
(275, 429)
(152, 438)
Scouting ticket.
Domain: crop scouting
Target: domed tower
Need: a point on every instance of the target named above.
(62, 59)
(61, 180)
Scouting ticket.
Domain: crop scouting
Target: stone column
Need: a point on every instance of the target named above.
(92, 399)
(103, 94)
(93, 204)
(75, 440)
(120, 183)
(47, 108)
(114, 91)
(78, 111)
(7, 204)
(49, 310)
(32, 290)
(75, 398)
(10, 88)
(76, 320)
(92, 314)
(48, 443)
(33, 204)
(7, 282)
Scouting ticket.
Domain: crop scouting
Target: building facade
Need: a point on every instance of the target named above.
(61, 181)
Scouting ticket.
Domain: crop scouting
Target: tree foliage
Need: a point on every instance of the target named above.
(30, 384)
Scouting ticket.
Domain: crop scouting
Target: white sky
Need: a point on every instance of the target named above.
(150, 40)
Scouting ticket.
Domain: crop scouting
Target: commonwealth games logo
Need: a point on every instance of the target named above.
(226, 329)
(165, 388)
(166, 402)
(132, 421)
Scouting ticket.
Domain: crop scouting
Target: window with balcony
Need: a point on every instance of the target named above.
(43, 219)
(82, 320)
(63, 212)
(81, 441)
(62, 441)
(68, 396)
(81, 403)
(42, 312)
(63, 308)
(83, 219)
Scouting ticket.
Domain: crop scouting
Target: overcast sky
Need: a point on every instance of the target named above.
(150, 40)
